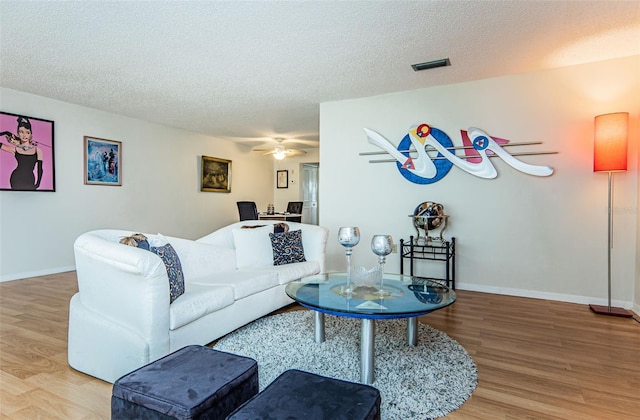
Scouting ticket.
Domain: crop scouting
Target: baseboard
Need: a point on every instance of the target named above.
(535, 294)
(28, 274)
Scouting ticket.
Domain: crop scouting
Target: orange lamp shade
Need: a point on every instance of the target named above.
(610, 142)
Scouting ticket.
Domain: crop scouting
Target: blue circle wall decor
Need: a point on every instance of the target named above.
(443, 166)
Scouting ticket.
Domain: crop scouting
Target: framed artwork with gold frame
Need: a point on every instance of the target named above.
(216, 175)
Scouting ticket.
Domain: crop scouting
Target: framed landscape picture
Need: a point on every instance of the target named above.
(216, 175)
(26, 153)
(102, 161)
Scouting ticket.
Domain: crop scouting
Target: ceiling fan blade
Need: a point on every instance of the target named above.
(266, 143)
(250, 140)
(300, 143)
(295, 152)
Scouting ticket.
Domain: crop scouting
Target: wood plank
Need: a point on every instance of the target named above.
(536, 359)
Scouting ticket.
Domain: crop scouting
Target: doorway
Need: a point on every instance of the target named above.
(310, 192)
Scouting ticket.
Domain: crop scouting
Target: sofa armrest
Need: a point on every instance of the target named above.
(123, 284)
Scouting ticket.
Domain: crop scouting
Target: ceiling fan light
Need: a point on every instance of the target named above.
(279, 154)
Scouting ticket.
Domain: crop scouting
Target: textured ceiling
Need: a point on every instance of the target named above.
(250, 69)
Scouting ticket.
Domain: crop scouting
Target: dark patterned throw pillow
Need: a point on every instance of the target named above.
(287, 247)
(174, 269)
(280, 227)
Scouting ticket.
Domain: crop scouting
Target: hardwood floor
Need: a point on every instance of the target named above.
(536, 359)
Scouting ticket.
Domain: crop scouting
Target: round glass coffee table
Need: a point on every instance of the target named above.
(403, 297)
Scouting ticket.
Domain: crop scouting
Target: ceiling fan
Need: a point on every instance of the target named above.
(279, 150)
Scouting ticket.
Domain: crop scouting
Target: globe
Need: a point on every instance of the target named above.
(428, 216)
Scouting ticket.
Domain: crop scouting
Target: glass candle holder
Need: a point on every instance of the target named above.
(382, 245)
(348, 238)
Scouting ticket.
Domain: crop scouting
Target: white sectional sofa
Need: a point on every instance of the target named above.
(121, 317)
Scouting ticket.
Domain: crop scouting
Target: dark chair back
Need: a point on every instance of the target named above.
(294, 207)
(247, 210)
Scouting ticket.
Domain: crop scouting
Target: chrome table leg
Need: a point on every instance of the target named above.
(367, 340)
(412, 331)
(319, 317)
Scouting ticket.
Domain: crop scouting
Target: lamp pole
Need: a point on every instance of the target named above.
(610, 239)
(610, 155)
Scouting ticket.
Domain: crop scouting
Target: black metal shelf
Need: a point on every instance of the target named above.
(431, 250)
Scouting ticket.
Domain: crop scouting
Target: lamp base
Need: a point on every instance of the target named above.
(613, 311)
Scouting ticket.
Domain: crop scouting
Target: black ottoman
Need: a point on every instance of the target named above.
(303, 395)
(195, 382)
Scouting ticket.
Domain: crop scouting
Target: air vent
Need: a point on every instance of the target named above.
(431, 64)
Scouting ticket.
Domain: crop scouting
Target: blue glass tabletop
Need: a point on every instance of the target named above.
(403, 297)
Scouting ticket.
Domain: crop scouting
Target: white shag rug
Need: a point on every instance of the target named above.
(416, 382)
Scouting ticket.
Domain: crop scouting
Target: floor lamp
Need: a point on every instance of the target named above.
(610, 155)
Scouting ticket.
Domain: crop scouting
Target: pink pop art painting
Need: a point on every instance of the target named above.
(26, 153)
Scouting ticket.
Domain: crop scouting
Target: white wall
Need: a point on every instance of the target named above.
(160, 190)
(517, 234)
(282, 196)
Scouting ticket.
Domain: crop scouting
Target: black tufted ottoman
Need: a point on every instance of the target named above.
(195, 382)
(302, 395)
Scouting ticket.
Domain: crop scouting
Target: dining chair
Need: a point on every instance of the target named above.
(295, 207)
(247, 210)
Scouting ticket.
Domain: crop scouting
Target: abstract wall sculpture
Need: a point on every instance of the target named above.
(426, 154)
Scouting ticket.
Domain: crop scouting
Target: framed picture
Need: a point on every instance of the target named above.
(26, 153)
(216, 175)
(102, 161)
(282, 179)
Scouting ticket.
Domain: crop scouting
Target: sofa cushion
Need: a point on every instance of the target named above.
(174, 269)
(202, 260)
(289, 272)
(243, 282)
(253, 247)
(287, 247)
(198, 301)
